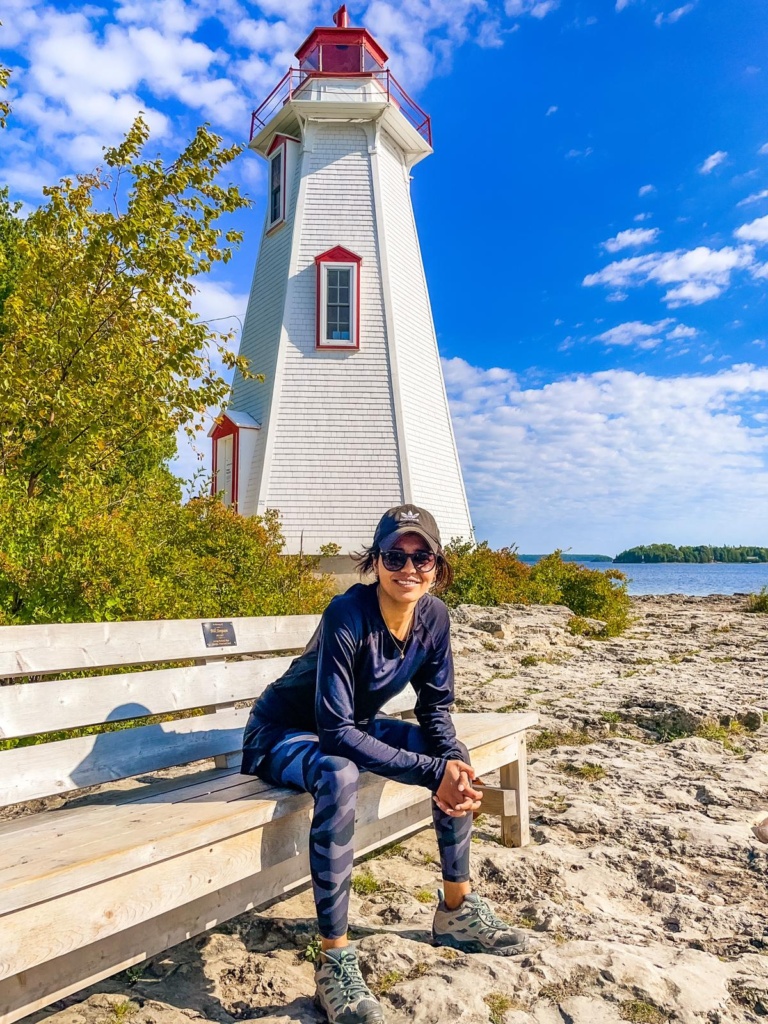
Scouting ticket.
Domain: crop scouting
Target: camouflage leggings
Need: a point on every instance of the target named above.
(295, 760)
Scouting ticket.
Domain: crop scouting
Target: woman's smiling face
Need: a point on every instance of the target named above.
(406, 585)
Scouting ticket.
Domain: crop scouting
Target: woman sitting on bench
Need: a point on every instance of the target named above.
(317, 727)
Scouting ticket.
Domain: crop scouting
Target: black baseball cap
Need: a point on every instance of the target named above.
(407, 519)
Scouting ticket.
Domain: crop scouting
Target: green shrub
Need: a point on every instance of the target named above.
(758, 602)
(486, 577)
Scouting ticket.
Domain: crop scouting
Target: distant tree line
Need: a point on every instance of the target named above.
(700, 553)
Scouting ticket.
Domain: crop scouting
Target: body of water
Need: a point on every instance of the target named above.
(696, 580)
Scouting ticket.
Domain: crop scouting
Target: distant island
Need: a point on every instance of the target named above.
(567, 558)
(702, 553)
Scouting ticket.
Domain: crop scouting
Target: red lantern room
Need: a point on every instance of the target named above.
(341, 50)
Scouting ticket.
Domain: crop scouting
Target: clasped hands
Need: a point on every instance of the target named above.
(455, 795)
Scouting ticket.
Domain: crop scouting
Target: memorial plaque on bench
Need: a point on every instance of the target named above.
(219, 634)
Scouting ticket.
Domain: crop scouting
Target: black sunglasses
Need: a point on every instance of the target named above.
(395, 560)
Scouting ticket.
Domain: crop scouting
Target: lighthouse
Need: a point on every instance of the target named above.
(352, 416)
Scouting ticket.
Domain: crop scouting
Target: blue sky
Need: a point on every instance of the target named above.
(594, 225)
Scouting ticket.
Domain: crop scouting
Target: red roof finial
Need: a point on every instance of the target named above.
(341, 18)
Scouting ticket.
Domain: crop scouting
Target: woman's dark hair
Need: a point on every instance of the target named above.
(366, 563)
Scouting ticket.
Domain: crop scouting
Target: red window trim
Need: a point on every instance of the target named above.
(272, 224)
(343, 37)
(225, 429)
(338, 254)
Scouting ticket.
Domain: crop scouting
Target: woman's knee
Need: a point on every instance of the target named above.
(336, 774)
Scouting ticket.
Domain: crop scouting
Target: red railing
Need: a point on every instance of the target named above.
(292, 82)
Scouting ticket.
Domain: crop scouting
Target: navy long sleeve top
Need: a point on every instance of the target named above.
(348, 671)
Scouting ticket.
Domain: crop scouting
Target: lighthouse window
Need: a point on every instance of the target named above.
(277, 187)
(337, 308)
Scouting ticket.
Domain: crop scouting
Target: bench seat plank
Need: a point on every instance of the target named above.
(96, 902)
(69, 647)
(123, 838)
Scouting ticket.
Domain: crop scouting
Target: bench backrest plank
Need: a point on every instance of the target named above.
(70, 647)
(32, 708)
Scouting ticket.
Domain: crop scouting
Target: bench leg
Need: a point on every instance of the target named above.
(515, 830)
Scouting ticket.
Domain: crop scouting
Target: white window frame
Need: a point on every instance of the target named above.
(323, 340)
(279, 153)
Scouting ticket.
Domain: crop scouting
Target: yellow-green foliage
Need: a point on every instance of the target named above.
(80, 556)
(483, 576)
(758, 602)
(102, 360)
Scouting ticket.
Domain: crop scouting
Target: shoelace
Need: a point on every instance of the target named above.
(488, 917)
(346, 971)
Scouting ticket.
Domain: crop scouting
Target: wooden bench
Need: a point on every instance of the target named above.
(120, 874)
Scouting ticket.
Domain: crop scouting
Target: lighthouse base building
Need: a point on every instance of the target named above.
(352, 416)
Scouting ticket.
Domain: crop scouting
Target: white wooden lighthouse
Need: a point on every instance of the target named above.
(352, 417)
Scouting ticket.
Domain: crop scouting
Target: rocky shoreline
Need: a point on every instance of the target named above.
(645, 889)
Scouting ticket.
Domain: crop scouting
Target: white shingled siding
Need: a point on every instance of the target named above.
(261, 330)
(334, 461)
(433, 466)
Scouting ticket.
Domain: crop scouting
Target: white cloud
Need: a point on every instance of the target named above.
(673, 16)
(573, 153)
(631, 238)
(604, 461)
(754, 198)
(681, 331)
(640, 217)
(621, 4)
(536, 8)
(551, 111)
(755, 231)
(713, 161)
(763, 151)
(646, 190)
(695, 275)
(644, 336)
(634, 333)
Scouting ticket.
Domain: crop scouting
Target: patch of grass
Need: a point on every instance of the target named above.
(127, 1008)
(722, 660)
(529, 660)
(489, 645)
(448, 954)
(395, 850)
(364, 884)
(387, 982)
(313, 949)
(589, 771)
(425, 896)
(722, 734)
(639, 1012)
(516, 705)
(428, 858)
(575, 985)
(498, 1005)
(610, 716)
(524, 921)
(419, 969)
(549, 738)
(501, 675)
(758, 602)
(532, 689)
(597, 684)
(132, 974)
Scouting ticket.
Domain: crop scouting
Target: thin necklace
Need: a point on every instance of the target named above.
(392, 635)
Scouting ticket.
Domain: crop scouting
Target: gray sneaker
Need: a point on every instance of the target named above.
(474, 928)
(341, 991)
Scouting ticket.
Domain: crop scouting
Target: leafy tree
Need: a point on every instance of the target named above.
(102, 359)
(102, 355)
